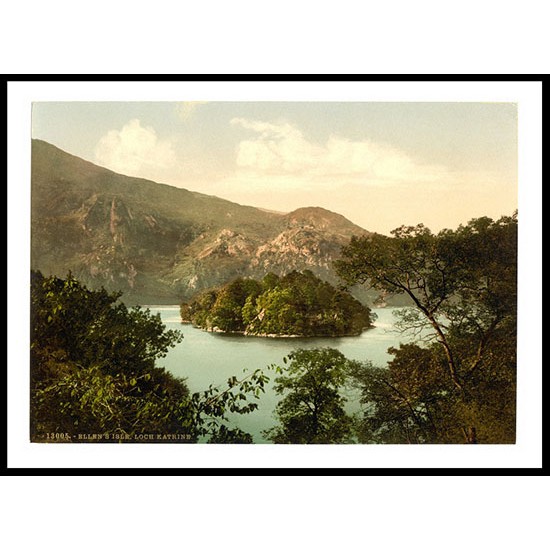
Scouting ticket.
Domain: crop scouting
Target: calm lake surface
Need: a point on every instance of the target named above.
(205, 358)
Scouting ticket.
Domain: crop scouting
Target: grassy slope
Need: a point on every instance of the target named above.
(159, 243)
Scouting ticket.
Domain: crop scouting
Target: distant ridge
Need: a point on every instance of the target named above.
(271, 211)
(162, 244)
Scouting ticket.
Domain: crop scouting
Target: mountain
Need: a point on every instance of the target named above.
(163, 244)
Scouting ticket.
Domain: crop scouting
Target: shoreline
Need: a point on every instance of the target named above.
(271, 335)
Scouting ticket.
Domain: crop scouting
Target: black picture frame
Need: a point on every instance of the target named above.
(14, 468)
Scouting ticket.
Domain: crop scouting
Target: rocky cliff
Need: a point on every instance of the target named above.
(162, 244)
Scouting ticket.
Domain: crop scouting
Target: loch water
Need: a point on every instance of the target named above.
(205, 358)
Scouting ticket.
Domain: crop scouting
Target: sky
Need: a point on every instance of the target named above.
(382, 165)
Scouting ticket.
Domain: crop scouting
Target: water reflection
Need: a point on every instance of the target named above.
(205, 358)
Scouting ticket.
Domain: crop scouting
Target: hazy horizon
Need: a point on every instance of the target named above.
(381, 165)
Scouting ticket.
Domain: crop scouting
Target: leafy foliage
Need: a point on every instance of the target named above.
(297, 304)
(312, 410)
(93, 372)
(463, 287)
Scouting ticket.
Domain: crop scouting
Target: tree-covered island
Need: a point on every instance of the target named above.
(297, 304)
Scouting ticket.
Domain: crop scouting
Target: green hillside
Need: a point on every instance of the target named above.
(162, 244)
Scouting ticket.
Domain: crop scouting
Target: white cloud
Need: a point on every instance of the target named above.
(135, 150)
(280, 151)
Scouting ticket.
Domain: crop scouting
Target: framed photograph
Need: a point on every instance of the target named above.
(276, 274)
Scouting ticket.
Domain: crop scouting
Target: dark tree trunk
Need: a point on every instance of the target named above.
(470, 434)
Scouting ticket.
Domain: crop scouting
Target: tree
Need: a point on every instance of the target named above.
(226, 312)
(296, 304)
(462, 285)
(93, 372)
(406, 402)
(312, 410)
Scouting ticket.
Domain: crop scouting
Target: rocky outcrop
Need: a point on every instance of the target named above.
(160, 244)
